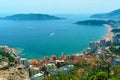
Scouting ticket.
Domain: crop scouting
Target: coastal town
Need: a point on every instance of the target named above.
(99, 56)
(60, 40)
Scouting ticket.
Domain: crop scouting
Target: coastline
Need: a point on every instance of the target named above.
(108, 36)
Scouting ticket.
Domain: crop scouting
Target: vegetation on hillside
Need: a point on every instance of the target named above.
(115, 49)
(7, 56)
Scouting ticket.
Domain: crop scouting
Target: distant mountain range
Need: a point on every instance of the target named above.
(112, 15)
(31, 17)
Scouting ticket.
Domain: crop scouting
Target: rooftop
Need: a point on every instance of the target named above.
(39, 74)
(117, 60)
(117, 35)
(23, 59)
(116, 30)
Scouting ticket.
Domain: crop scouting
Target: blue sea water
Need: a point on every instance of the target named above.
(44, 38)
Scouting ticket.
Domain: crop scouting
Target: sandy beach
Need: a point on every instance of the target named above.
(109, 34)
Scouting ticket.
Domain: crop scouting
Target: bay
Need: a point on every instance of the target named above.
(45, 38)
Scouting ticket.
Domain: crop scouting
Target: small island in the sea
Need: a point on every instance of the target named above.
(31, 17)
(111, 15)
(95, 22)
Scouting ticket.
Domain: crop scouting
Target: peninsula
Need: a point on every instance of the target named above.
(31, 17)
(96, 22)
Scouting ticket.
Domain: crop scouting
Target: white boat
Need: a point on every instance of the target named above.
(52, 34)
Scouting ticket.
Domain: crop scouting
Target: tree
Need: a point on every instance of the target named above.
(7, 55)
(101, 76)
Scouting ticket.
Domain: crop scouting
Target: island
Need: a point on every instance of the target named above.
(96, 22)
(31, 17)
(111, 15)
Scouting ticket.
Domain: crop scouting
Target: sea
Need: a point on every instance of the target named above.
(37, 39)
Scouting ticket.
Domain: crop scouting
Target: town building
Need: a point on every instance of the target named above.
(102, 43)
(116, 38)
(93, 46)
(116, 61)
(18, 60)
(33, 71)
(24, 62)
(38, 76)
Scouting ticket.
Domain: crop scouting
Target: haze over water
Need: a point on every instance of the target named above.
(44, 38)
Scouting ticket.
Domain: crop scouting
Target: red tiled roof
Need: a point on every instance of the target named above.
(34, 61)
(37, 66)
(52, 60)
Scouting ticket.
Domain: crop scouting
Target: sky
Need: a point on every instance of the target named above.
(58, 6)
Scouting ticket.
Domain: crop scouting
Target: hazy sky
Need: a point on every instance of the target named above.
(58, 6)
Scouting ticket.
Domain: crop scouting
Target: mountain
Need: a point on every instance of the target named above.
(111, 15)
(31, 17)
(96, 22)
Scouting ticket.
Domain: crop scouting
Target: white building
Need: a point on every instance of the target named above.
(116, 38)
(102, 43)
(24, 62)
(33, 70)
(116, 61)
(51, 67)
(69, 67)
(93, 46)
(38, 76)
(88, 49)
(66, 69)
